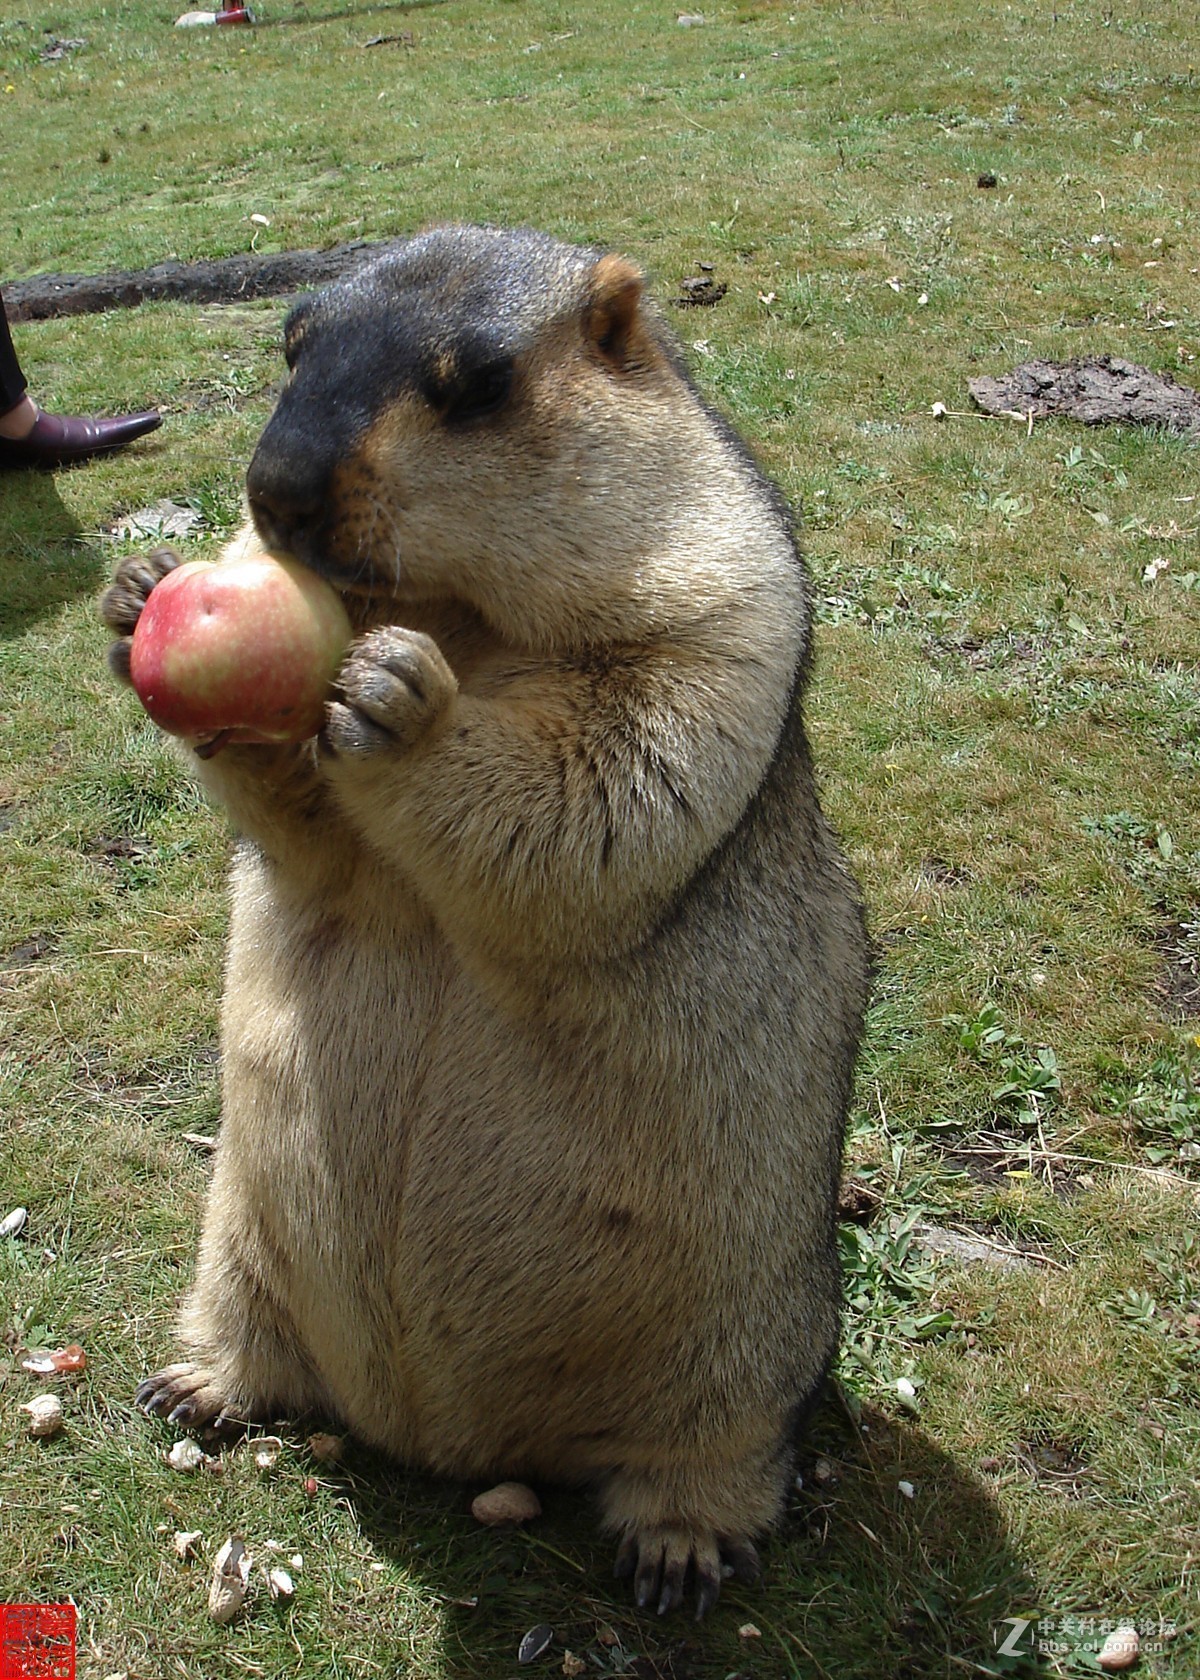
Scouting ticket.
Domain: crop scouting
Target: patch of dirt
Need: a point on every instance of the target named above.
(990, 1169)
(115, 851)
(225, 280)
(1057, 1465)
(56, 49)
(699, 290)
(1178, 983)
(858, 1202)
(22, 957)
(993, 653)
(1096, 391)
(936, 872)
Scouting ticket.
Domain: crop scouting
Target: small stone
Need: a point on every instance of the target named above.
(187, 1543)
(230, 1581)
(506, 1505)
(45, 1416)
(907, 1489)
(1119, 1651)
(749, 1631)
(824, 1471)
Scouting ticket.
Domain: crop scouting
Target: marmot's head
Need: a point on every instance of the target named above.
(484, 416)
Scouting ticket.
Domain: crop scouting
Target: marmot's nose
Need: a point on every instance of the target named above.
(287, 493)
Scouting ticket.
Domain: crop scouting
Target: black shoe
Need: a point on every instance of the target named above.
(56, 441)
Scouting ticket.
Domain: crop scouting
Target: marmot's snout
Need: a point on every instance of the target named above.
(288, 487)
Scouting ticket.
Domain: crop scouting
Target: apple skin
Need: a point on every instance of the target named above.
(241, 649)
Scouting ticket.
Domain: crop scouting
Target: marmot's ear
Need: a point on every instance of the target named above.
(611, 319)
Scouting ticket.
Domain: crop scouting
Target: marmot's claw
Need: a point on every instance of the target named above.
(118, 658)
(164, 1387)
(394, 684)
(742, 1558)
(661, 1560)
(348, 734)
(186, 1395)
(121, 604)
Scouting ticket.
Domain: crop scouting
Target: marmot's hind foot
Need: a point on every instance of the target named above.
(660, 1558)
(186, 1395)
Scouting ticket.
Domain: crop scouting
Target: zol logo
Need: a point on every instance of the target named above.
(37, 1642)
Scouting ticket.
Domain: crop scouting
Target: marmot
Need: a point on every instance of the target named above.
(546, 975)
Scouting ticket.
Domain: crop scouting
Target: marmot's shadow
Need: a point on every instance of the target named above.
(860, 1581)
(38, 575)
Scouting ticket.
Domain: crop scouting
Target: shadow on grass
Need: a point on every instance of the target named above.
(46, 561)
(861, 1582)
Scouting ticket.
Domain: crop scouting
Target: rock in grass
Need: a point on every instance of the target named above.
(1119, 1651)
(506, 1505)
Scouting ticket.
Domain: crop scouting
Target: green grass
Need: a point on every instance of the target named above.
(1006, 715)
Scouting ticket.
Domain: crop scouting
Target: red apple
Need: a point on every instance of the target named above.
(242, 649)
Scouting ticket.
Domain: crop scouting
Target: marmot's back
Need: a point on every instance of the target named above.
(546, 976)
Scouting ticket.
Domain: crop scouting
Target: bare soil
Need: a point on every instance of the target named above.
(224, 280)
(1100, 391)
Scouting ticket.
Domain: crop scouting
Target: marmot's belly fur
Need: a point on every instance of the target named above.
(545, 976)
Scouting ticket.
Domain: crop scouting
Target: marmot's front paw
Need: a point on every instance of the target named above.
(121, 604)
(394, 686)
(186, 1395)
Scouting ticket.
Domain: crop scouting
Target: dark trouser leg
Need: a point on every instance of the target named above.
(12, 380)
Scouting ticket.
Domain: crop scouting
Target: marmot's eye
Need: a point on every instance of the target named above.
(480, 392)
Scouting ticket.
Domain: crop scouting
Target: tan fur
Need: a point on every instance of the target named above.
(545, 975)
